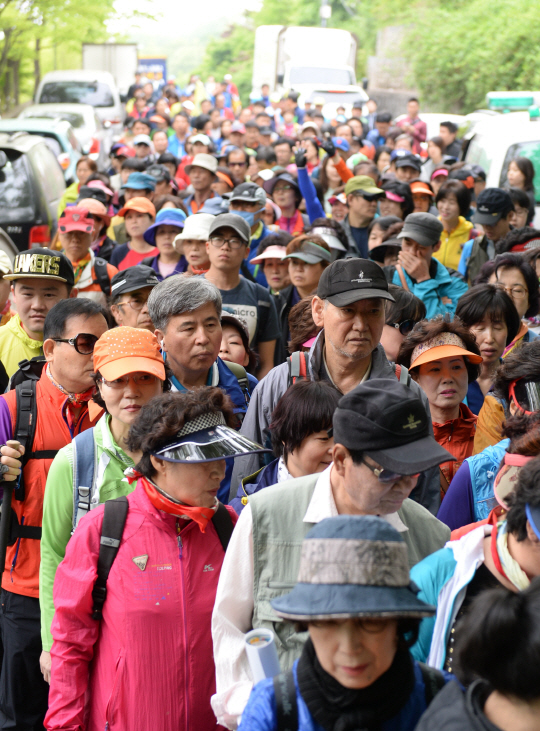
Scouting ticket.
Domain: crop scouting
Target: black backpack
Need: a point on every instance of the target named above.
(287, 707)
(114, 520)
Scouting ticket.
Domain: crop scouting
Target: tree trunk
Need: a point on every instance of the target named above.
(7, 88)
(37, 67)
(16, 88)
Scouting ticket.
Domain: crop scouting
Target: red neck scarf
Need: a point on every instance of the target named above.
(160, 501)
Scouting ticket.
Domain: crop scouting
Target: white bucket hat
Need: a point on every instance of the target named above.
(196, 227)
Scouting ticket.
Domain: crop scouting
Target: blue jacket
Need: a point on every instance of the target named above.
(314, 207)
(250, 485)
(433, 290)
(255, 269)
(261, 711)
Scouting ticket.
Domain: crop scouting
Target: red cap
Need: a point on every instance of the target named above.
(75, 218)
(124, 151)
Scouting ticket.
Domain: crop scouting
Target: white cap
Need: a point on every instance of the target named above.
(196, 227)
(272, 252)
(201, 138)
(142, 140)
(202, 160)
(6, 265)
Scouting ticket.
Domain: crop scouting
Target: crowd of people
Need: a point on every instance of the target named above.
(275, 372)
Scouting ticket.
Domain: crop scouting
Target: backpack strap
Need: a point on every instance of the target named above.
(84, 470)
(114, 520)
(102, 275)
(25, 426)
(29, 370)
(240, 373)
(433, 679)
(298, 369)
(402, 374)
(287, 706)
(223, 524)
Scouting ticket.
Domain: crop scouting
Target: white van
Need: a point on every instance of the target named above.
(96, 88)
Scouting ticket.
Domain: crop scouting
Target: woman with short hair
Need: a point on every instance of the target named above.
(520, 282)
(401, 316)
(453, 202)
(148, 663)
(521, 174)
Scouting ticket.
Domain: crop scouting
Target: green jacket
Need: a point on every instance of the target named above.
(278, 531)
(58, 510)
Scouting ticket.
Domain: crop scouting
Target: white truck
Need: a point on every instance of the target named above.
(119, 59)
(316, 62)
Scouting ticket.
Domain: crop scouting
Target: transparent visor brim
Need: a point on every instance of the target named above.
(207, 445)
(528, 395)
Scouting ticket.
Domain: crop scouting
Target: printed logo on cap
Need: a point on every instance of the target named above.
(412, 423)
(361, 279)
(37, 264)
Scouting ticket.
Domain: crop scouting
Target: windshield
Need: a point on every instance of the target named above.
(524, 149)
(340, 77)
(75, 120)
(77, 92)
(15, 191)
(339, 98)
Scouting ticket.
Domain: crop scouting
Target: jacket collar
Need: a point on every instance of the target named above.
(15, 325)
(380, 367)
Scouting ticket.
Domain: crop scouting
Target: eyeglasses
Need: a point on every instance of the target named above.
(134, 304)
(386, 476)
(83, 343)
(517, 292)
(404, 327)
(139, 379)
(218, 242)
(282, 187)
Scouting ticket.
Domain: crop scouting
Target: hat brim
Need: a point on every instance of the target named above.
(82, 227)
(135, 187)
(122, 212)
(418, 236)
(378, 253)
(28, 275)
(132, 364)
(209, 445)
(307, 258)
(411, 458)
(342, 299)
(234, 228)
(189, 167)
(486, 219)
(263, 257)
(150, 234)
(445, 351)
(307, 602)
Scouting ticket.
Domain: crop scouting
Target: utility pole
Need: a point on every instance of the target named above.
(325, 12)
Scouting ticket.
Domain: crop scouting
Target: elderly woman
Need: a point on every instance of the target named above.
(129, 371)
(362, 615)
(154, 632)
(301, 441)
(520, 282)
(443, 359)
(190, 243)
(489, 556)
(401, 316)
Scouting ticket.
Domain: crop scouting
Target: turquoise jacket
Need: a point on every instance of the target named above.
(441, 285)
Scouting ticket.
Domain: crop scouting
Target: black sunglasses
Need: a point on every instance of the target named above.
(404, 327)
(83, 343)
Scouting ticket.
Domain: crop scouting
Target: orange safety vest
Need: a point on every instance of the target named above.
(21, 571)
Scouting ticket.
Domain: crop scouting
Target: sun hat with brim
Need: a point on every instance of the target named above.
(424, 228)
(419, 187)
(141, 205)
(169, 217)
(272, 252)
(139, 181)
(310, 253)
(203, 160)
(507, 477)
(328, 235)
(124, 350)
(5, 263)
(352, 566)
(196, 227)
(350, 280)
(378, 253)
(440, 172)
(391, 424)
(445, 345)
(271, 183)
(207, 438)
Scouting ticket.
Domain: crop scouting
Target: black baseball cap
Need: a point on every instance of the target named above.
(132, 279)
(250, 193)
(40, 263)
(492, 205)
(234, 221)
(408, 161)
(382, 418)
(159, 172)
(349, 280)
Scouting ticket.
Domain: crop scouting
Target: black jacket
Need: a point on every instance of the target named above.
(455, 710)
(283, 302)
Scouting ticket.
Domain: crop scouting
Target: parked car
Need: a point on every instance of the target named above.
(59, 136)
(96, 88)
(94, 139)
(495, 142)
(31, 185)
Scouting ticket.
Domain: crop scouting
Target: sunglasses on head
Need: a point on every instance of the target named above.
(404, 327)
(83, 343)
(525, 395)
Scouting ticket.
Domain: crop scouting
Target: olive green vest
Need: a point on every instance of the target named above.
(278, 531)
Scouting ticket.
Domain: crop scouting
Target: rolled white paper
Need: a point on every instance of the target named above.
(262, 654)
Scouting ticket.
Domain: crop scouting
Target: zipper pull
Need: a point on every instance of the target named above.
(180, 545)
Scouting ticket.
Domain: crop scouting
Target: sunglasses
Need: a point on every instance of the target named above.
(525, 395)
(83, 343)
(386, 476)
(404, 327)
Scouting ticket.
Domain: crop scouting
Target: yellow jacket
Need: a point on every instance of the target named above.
(452, 243)
(16, 345)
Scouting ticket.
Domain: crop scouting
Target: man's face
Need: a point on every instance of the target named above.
(199, 148)
(245, 115)
(201, 179)
(345, 131)
(69, 368)
(229, 256)
(406, 173)
(382, 128)
(371, 106)
(238, 166)
(142, 150)
(237, 139)
(408, 246)
(180, 125)
(412, 109)
(76, 244)
(498, 231)
(192, 340)
(362, 207)
(220, 101)
(447, 136)
(148, 90)
(132, 310)
(360, 491)
(357, 128)
(140, 128)
(251, 207)
(265, 89)
(283, 154)
(33, 298)
(253, 137)
(353, 331)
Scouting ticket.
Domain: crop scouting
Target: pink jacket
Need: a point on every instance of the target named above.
(149, 663)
